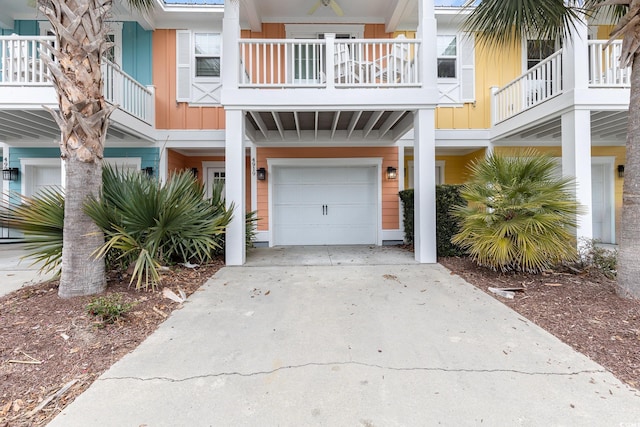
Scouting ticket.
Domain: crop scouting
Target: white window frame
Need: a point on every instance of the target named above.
(439, 173)
(456, 57)
(194, 55)
(525, 52)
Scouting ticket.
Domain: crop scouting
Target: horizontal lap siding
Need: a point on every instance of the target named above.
(389, 155)
(169, 114)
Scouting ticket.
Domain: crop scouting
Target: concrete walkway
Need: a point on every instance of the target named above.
(16, 272)
(400, 344)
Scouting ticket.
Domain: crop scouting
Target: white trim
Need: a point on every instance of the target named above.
(311, 31)
(610, 190)
(205, 176)
(411, 173)
(388, 235)
(129, 162)
(326, 162)
(26, 173)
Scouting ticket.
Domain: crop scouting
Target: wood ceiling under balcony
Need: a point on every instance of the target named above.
(370, 126)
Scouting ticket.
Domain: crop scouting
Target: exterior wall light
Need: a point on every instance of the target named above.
(261, 174)
(620, 171)
(148, 170)
(392, 173)
(10, 174)
(194, 171)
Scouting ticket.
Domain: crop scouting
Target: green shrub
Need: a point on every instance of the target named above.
(596, 257)
(447, 196)
(519, 214)
(40, 218)
(148, 223)
(108, 309)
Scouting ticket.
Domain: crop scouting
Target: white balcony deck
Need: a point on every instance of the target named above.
(21, 66)
(329, 63)
(545, 82)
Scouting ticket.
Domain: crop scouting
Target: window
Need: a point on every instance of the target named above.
(447, 57)
(538, 50)
(207, 54)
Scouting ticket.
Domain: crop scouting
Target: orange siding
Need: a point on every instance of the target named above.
(389, 155)
(179, 162)
(169, 114)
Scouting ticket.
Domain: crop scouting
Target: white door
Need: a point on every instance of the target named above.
(325, 205)
(213, 175)
(42, 177)
(602, 208)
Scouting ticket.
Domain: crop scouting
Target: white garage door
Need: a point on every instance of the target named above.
(325, 205)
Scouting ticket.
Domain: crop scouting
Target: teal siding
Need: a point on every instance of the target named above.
(136, 47)
(136, 52)
(150, 157)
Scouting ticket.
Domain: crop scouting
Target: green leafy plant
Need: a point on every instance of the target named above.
(108, 309)
(40, 218)
(519, 216)
(593, 256)
(447, 196)
(149, 224)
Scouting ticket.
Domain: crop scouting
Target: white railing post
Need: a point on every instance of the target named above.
(330, 71)
(150, 113)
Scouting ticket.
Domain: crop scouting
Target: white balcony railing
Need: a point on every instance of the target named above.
(538, 84)
(604, 65)
(21, 65)
(280, 63)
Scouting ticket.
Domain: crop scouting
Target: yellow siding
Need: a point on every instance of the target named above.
(493, 67)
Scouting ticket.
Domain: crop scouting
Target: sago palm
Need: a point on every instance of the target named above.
(501, 23)
(83, 118)
(519, 214)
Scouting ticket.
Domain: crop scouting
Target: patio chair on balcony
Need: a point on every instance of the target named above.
(347, 69)
(395, 66)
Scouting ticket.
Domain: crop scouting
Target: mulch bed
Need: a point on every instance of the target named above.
(582, 310)
(48, 342)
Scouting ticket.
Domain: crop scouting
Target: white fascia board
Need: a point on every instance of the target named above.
(191, 138)
(462, 137)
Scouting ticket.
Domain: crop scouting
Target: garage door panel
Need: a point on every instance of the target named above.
(350, 197)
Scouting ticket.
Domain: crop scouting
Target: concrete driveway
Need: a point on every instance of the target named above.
(16, 272)
(396, 344)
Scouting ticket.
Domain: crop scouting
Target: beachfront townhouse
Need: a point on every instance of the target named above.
(316, 113)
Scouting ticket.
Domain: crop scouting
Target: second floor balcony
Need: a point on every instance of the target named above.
(22, 69)
(329, 63)
(545, 81)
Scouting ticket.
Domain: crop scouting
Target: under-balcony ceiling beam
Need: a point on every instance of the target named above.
(252, 15)
(334, 125)
(111, 131)
(5, 132)
(614, 124)
(353, 122)
(19, 119)
(260, 123)
(16, 129)
(540, 128)
(45, 117)
(396, 12)
(6, 22)
(297, 120)
(389, 123)
(276, 118)
(403, 126)
(371, 123)
(315, 126)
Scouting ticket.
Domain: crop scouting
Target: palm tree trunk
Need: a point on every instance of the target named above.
(83, 119)
(629, 244)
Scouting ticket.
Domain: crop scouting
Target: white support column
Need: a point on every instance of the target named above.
(427, 32)
(575, 57)
(235, 159)
(576, 162)
(5, 164)
(424, 184)
(230, 44)
(163, 163)
(254, 178)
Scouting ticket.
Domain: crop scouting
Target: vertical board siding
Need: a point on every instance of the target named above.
(492, 68)
(177, 162)
(389, 155)
(169, 114)
(136, 52)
